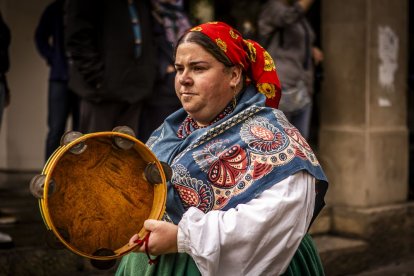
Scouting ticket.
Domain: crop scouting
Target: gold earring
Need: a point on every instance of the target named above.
(234, 101)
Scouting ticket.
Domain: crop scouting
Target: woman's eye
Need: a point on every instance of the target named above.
(197, 69)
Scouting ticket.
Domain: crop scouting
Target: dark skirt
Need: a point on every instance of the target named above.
(306, 261)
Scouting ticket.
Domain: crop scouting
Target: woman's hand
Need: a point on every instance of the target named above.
(162, 240)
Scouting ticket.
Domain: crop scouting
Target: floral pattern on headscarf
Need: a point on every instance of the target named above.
(255, 60)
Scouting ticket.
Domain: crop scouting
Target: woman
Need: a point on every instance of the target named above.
(242, 195)
(289, 38)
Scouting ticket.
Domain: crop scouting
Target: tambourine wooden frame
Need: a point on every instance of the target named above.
(160, 191)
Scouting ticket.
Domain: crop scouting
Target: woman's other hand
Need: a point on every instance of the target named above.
(317, 55)
(162, 240)
(305, 4)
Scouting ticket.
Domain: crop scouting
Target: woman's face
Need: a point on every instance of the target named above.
(202, 83)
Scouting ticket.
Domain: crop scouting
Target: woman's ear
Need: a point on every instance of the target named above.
(236, 75)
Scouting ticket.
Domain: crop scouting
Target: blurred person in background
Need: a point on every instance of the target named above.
(5, 39)
(289, 38)
(112, 60)
(62, 102)
(170, 22)
(6, 240)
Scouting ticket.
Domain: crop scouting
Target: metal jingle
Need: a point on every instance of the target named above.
(71, 136)
(168, 172)
(51, 188)
(37, 185)
(103, 264)
(152, 174)
(125, 130)
(78, 148)
(123, 143)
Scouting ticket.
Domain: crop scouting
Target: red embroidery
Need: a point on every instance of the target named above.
(220, 201)
(188, 195)
(299, 152)
(262, 133)
(199, 196)
(295, 134)
(230, 166)
(261, 169)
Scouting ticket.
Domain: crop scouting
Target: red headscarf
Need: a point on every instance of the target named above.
(256, 61)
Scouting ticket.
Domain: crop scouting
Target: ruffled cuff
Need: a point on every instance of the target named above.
(183, 242)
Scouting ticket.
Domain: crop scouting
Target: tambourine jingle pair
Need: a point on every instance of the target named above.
(96, 191)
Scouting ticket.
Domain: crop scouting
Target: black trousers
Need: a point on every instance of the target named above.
(105, 116)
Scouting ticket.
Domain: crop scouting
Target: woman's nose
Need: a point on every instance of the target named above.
(184, 79)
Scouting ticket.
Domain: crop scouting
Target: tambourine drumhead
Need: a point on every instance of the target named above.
(101, 197)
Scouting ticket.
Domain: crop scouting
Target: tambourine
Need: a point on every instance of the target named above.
(96, 191)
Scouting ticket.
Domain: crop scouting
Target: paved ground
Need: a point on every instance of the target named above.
(400, 268)
(30, 255)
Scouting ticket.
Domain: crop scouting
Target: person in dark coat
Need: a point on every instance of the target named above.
(62, 102)
(112, 60)
(170, 22)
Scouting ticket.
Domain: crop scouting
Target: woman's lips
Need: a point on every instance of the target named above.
(187, 93)
(186, 96)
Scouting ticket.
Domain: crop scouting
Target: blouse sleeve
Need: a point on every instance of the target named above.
(256, 238)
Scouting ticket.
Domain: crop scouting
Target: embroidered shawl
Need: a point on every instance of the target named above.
(232, 161)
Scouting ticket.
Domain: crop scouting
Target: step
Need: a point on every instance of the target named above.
(342, 256)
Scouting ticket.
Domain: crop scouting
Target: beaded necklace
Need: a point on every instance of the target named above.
(189, 125)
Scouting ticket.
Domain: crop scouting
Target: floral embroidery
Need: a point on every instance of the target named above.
(228, 168)
(233, 34)
(261, 169)
(252, 51)
(221, 44)
(196, 29)
(224, 166)
(268, 62)
(297, 137)
(267, 89)
(193, 192)
(262, 136)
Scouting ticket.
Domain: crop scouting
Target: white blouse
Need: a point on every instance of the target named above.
(256, 238)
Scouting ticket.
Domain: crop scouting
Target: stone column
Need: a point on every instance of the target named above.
(363, 134)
